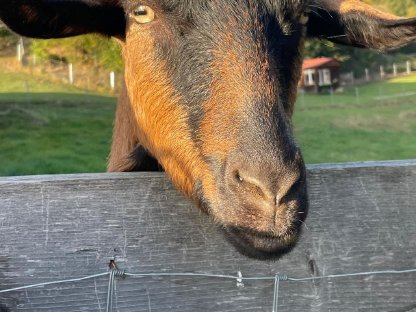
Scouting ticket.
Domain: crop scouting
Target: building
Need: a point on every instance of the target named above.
(320, 74)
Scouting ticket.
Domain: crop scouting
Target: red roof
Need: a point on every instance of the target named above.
(317, 62)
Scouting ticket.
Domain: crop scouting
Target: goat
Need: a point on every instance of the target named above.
(210, 87)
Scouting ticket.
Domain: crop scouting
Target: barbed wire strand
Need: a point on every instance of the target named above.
(332, 276)
(281, 277)
(208, 275)
(239, 278)
(72, 280)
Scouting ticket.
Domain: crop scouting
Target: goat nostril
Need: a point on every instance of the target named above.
(238, 177)
(249, 184)
(290, 192)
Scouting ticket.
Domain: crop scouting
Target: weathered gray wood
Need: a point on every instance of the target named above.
(362, 218)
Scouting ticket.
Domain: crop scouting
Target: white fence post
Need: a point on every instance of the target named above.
(367, 75)
(20, 50)
(394, 70)
(409, 67)
(19, 53)
(113, 80)
(71, 73)
(382, 72)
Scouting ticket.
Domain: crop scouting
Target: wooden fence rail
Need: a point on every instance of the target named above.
(362, 218)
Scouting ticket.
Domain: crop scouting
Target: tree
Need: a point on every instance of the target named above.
(7, 39)
(89, 49)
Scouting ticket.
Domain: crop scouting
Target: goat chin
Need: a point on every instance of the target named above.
(261, 246)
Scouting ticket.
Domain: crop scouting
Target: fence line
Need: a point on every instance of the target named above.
(380, 72)
(239, 278)
(76, 74)
(107, 79)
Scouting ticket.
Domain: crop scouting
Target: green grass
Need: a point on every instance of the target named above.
(61, 129)
(380, 125)
(54, 129)
(18, 82)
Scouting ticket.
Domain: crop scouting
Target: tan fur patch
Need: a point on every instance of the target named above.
(161, 120)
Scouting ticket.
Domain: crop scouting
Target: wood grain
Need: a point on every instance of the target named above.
(362, 218)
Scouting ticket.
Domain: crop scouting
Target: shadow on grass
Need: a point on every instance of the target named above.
(58, 98)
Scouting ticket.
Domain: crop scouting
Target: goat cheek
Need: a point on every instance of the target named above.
(159, 115)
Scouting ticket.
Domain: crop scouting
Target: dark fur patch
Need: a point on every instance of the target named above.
(360, 30)
(59, 19)
(144, 161)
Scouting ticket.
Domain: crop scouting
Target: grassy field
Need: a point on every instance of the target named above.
(54, 129)
(379, 124)
(60, 129)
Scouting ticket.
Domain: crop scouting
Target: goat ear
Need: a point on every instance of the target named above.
(63, 18)
(355, 23)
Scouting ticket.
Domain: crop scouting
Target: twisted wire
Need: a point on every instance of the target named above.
(239, 278)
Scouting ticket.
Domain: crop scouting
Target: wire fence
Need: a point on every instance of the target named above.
(99, 79)
(239, 278)
(378, 72)
(77, 75)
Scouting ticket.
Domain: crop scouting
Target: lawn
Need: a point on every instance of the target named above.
(53, 129)
(378, 124)
(47, 127)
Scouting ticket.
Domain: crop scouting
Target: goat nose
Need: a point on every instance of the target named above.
(264, 186)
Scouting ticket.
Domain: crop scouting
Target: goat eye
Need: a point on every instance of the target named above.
(304, 18)
(143, 14)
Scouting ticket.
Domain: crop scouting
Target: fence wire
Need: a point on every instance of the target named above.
(239, 278)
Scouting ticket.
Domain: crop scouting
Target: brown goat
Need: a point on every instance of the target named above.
(209, 92)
